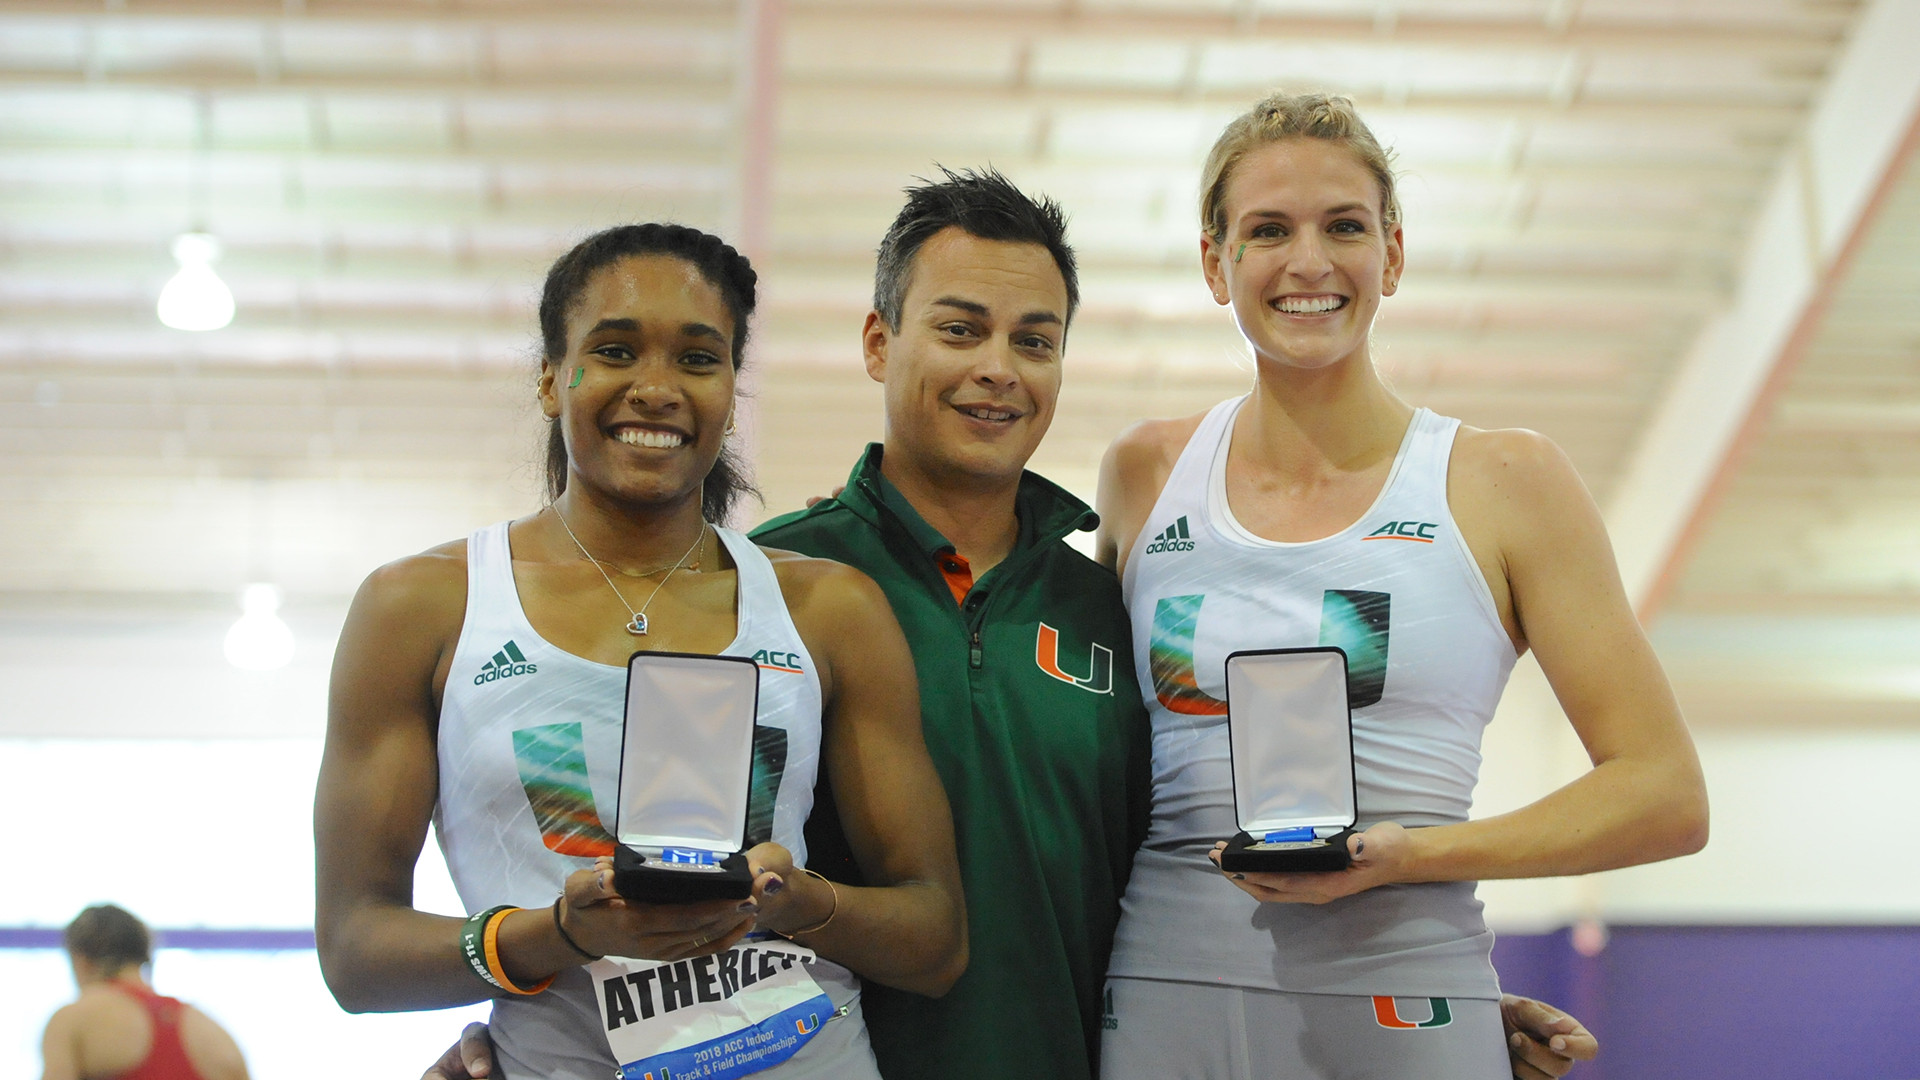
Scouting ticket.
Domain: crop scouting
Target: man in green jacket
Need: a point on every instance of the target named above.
(1021, 644)
(1027, 690)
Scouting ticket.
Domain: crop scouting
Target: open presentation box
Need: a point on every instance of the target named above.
(1290, 733)
(686, 774)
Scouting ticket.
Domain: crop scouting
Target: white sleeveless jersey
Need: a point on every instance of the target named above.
(1399, 591)
(529, 750)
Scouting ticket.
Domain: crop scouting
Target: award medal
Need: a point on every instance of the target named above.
(690, 859)
(1296, 839)
(713, 1017)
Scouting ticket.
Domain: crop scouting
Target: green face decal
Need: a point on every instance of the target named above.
(578, 374)
(1241, 254)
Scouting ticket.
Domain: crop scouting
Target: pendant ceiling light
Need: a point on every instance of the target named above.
(259, 641)
(196, 298)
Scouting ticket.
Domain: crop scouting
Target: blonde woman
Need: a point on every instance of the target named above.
(1323, 509)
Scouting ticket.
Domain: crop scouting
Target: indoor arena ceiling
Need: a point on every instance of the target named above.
(390, 178)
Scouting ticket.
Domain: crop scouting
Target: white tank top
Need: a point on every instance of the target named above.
(1428, 658)
(529, 749)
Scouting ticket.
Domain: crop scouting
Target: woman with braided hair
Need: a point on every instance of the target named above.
(480, 685)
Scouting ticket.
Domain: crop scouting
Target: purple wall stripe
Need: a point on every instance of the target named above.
(1734, 1002)
(1668, 1002)
(43, 937)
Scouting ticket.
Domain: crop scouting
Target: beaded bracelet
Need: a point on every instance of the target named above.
(480, 946)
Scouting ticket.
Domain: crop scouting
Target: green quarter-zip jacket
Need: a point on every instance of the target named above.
(1031, 714)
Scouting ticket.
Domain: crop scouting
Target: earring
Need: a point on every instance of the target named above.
(732, 426)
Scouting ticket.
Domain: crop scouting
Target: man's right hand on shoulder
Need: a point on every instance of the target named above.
(469, 1059)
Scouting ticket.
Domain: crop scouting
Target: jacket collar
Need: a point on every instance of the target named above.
(1047, 511)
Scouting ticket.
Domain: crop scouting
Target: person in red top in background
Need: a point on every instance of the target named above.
(119, 1028)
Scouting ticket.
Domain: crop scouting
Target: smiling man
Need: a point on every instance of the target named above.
(1020, 642)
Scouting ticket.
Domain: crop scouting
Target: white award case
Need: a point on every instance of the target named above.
(686, 775)
(1290, 735)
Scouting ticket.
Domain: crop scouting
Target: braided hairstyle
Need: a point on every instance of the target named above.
(724, 268)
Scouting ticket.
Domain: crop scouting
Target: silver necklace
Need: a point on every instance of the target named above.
(638, 626)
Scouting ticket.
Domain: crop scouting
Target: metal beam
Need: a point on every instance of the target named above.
(1823, 201)
(759, 114)
(572, 85)
(1815, 29)
(841, 171)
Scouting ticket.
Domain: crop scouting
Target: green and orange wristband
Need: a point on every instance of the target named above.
(480, 947)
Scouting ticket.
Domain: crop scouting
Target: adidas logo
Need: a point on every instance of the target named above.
(1174, 539)
(506, 663)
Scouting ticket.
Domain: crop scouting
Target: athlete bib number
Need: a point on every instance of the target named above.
(712, 1017)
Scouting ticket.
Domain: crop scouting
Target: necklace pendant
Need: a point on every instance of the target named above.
(638, 627)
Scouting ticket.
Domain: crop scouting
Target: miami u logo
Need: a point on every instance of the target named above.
(552, 761)
(1357, 621)
(1046, 653)
(1388, 1015)
(1170, 658)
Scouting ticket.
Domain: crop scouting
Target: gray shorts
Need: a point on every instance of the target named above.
(1160, 1030)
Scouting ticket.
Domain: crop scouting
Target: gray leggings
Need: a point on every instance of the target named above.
(1161, 1030)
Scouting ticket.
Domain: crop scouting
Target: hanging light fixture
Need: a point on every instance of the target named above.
(196, 298)
(259, 641)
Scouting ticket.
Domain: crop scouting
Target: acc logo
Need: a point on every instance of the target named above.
(1420, 532)
(506, 663)
(1173, 539)
(779, 661)
(1046, 653)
